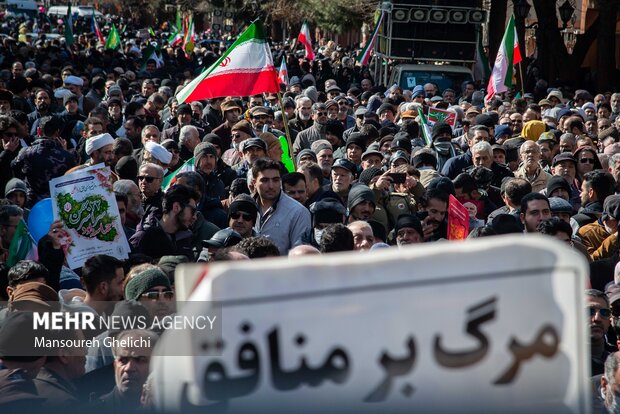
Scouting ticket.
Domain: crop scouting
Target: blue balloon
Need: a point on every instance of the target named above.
(40, 219)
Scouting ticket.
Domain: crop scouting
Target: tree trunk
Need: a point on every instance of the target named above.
(497, 26)
(553, 60)
(606, 45)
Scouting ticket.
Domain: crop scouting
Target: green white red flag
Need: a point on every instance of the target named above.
(245, 69)
(189, 38)
(171, 179)
(23, 246)
(364, 57)
(305, 39)
(508, 55)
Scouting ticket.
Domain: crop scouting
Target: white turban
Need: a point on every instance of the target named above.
(74, 80)
(158, 151)
(98, 142)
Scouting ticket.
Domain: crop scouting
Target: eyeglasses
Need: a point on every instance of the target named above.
(147, 178)
(244, 216)
(236, 135)
(604, 312)
(586, 160)
(321, 113)
(156, 294)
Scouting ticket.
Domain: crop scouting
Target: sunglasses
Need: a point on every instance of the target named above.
(147, 178)
(155, 295)
(236, 135)
(321, 113)
(604, 312)
(244, 216)
(615, 310)
(587, 160)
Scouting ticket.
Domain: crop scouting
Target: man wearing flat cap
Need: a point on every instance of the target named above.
(251, 149)
(230, 112)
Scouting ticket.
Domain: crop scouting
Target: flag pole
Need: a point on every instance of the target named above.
(522, 79)
(286, 130)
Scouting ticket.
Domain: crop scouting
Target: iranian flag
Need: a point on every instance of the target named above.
(95, 28)
(305, 39)
(283, 72)
(23, 246)
(188, 39)
(175, 38)
(364, 57)
(508, 55)
(171, 179)
(245, 69)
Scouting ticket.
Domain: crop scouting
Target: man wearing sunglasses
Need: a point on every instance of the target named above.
(170, 235)
(242, 215)
(150, 177)
(599, 313)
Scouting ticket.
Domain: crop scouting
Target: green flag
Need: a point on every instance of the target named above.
(69, 39)
(114, 40)
(426, 133)
(151, 32)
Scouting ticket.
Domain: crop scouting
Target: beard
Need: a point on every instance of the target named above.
(304, 117)
(182, 226)
(611, 402)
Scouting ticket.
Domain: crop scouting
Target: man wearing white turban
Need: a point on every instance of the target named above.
(100, 149)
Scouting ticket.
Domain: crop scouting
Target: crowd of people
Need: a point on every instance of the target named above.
(361, 177)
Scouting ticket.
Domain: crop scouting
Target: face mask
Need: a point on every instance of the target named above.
(318, 235)
(443, 148)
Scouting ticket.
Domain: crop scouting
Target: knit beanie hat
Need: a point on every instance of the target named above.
(303, 153)
(357, 139)
(368, 174)
(144, 281)
(555, 183)
(127, 168)
(408, 220)
(202, 149)
(440, 128)
(358, 194)
(532, 130)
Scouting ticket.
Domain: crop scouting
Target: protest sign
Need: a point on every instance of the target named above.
(84, 200)
(458, 220)
(451, 327)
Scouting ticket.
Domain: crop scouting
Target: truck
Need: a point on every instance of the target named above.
(421, 41)
(29, 8)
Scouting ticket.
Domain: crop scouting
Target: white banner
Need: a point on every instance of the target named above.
(491, 325)
(84, 200)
